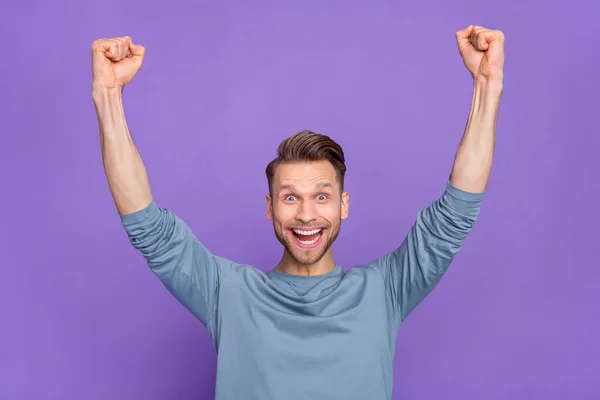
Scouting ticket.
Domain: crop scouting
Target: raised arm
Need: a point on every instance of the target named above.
(112, 69)
(482, 51)
(413, 270)
(188, 270)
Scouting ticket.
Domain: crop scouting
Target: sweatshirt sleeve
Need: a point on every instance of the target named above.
(413, 270)
(188, 270)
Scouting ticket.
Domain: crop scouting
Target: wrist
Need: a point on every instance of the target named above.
(487, 93)
(489, 85)
(102, 93)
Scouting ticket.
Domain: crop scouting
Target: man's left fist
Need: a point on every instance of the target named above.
(482, 51)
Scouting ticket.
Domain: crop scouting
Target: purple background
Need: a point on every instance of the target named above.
(517, 317)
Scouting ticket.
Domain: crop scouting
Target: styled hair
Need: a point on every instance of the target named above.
(309, 146)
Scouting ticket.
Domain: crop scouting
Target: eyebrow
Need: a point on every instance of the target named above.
(320, 185)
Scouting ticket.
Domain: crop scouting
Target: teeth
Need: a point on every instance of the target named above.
(309, 242)
(299, 232)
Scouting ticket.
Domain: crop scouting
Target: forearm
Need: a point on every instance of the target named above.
(473, 161)
(123, 165)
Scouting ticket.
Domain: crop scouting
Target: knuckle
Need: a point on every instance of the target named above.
(98, 42)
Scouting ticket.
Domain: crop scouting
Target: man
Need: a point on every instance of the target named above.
(306, 329)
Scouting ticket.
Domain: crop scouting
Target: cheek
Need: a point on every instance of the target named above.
(283, 214)
(331, 213)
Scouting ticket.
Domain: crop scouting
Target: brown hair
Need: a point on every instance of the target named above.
(309, 146)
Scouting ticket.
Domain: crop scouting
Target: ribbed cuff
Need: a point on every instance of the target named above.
(139, 215)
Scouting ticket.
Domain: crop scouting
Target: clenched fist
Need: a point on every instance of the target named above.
(482, 51)
(115, 61)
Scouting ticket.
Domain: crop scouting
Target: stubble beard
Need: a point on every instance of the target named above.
(306, 257)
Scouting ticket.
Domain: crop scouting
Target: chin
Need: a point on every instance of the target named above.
(309, 248)
(306, 259)
(307, 245)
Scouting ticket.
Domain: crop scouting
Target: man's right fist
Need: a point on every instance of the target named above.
(115, 61)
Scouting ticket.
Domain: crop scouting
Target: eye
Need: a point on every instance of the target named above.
(322, 197)
(289, 198)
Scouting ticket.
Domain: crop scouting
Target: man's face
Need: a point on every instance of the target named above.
(306, 208)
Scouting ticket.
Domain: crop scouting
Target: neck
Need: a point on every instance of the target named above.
(289, 265)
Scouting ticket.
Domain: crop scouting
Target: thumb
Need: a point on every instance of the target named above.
(462, 37)
(137, 52)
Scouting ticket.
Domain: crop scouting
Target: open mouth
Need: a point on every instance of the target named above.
(307, 238)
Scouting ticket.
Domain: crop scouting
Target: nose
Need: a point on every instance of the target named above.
(306, 212)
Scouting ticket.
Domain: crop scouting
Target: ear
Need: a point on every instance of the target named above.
(345, 204)
(269, 206)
